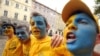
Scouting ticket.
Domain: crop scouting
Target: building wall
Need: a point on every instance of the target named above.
(12, 9)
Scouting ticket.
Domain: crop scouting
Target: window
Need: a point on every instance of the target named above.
(17, 5)
(6, 2)
(25, 17)
(5, 13)
(16, 16)
(25, 8)
(26, 1)
(0, 1)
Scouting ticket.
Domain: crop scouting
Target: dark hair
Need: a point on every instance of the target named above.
(9, 24)
(35, 14)
(23, 26)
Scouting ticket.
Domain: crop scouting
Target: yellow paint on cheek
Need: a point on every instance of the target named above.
(68, 23)
(65, 33)
(31, 24)
(36, 34)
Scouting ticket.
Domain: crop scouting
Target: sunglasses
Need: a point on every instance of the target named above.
(8, 27)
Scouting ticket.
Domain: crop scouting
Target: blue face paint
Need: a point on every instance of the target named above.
(38, 26)
(84, 35)
(22, 34)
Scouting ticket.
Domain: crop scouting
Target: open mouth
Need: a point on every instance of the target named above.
(70, 37)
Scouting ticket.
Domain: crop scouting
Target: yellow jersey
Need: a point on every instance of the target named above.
(13, 47)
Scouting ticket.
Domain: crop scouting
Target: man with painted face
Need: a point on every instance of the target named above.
(23, 34)
(13, 46)
(41, 42)
(81, 28)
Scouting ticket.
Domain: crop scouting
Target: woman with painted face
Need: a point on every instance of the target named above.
(13, 46)
(41, 42)
(23, 34)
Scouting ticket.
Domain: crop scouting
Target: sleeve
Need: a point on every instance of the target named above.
(4, 53)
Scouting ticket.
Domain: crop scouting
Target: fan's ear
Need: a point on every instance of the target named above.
(98, 38)
(48, 26)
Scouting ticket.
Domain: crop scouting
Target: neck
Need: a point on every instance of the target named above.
(27, 41)
(10, 36)
(42, 37)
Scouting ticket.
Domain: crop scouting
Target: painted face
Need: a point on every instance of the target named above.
(80, 32)
(38, 26)
(22, 34)
(8, 30)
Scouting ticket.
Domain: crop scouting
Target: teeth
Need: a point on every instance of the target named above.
(71, 35)
(70, 40)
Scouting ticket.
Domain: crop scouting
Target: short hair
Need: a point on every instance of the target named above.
(35, 14)
(9, 24)
(23, 26)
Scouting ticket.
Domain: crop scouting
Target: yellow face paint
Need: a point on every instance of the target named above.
(34, 29)
(69, 25)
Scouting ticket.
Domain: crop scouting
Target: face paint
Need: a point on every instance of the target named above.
(81, 33)
(22, 34)
(38, 26)
(7, 30)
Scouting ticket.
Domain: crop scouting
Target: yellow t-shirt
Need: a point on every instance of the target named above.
(40, 47)
(43, 48)
(13, 47)
(62, 50)
(26, 48)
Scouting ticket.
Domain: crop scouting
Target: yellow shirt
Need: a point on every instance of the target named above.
(43, 48)
(26, 48)
(40, 47)
(62, 50)
(13, 47)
